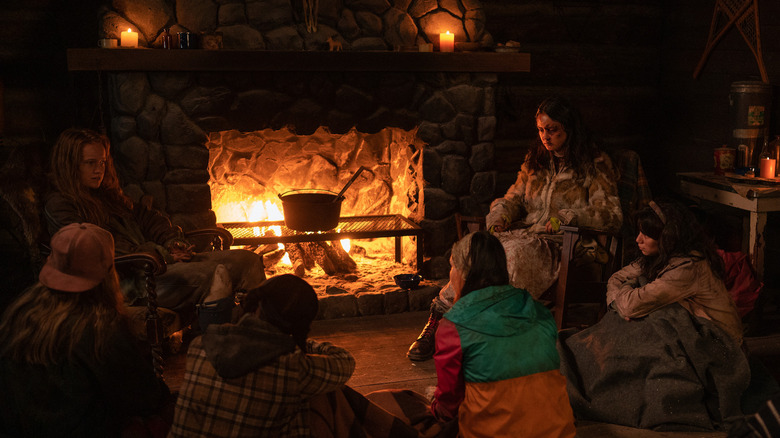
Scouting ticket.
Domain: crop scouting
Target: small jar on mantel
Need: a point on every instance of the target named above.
(167, 39)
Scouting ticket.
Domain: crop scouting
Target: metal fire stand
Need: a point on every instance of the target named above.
(349, 227)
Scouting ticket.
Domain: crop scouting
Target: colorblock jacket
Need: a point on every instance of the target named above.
(498, 367)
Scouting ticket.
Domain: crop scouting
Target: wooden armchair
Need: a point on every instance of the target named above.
(573, 286)
(152, 266)
(24, 242)
(155, 331)
(570, 288)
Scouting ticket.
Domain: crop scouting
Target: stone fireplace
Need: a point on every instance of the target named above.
(168, 128)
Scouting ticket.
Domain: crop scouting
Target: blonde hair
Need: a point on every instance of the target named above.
(44, 326)
(66, 157)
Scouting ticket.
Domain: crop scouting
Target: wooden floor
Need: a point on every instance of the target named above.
(379, 345)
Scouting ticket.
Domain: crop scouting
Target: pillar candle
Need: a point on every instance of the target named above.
(767, 167)
(446, 42)
(129, 39)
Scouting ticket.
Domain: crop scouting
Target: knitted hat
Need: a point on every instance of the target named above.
(81, 256)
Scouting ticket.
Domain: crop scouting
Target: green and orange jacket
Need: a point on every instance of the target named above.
(498, 367)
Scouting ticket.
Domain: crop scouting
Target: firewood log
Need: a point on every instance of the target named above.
(267, 248)
(308, 258)
(297, 258)
(270, 259)
(344, 263)
(320, 256)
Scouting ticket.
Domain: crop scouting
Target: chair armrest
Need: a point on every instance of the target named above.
(612, 241)
(221, 238)
(152, 263)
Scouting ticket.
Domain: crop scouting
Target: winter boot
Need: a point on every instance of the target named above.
(422, 349)
(217, 306)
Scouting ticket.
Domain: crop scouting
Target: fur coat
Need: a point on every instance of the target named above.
(533, 258)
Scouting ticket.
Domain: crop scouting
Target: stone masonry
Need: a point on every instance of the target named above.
(160, 121)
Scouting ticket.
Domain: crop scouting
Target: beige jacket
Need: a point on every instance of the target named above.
(685, 280)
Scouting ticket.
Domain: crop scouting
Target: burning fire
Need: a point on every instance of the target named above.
(261, 211)
(248, 170)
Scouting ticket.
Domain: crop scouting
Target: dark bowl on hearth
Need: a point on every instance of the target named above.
(407, 281)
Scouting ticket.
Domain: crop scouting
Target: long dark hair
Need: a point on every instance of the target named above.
(580, 150)
(94, 204)
(487, 261)
(678, 234)
(286, 301)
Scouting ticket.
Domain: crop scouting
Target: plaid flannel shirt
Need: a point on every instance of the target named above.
(269, 402)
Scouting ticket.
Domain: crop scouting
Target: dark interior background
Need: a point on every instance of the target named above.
(627, 64)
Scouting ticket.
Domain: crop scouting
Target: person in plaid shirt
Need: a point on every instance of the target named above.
(256, 377)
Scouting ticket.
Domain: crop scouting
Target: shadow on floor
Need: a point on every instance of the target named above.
(379, 344)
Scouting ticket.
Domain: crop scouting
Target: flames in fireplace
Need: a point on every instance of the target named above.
(248, 171)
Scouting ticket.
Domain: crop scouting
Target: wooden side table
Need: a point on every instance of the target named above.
(757, 199)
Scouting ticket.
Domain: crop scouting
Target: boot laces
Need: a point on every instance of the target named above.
(430, 328)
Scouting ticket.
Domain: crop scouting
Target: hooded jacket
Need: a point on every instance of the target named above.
(498, 367)
(250, 379)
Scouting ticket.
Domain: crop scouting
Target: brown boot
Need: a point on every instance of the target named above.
(422, 349)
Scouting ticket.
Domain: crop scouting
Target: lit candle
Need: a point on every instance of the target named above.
(767, 167)
(129, 39)
(446, 42)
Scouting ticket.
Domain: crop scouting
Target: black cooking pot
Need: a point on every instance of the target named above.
(311, 209)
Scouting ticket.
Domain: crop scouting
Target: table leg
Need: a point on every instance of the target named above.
(756, 242)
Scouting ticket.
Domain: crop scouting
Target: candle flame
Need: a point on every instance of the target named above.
(130, 30)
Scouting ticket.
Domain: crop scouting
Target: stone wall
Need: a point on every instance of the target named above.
(283, 24)
(160, 121)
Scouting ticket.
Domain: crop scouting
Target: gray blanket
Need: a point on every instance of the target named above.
(667, 371)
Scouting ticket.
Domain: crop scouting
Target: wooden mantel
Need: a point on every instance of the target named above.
(260, 60)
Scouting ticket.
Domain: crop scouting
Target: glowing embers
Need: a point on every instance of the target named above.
(331, 257)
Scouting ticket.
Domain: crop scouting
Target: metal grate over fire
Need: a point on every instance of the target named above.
(248, 172)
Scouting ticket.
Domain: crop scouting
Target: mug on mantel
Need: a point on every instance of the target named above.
(188, 40)
(107, 43)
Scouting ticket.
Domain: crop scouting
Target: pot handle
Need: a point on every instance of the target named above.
(349, 183)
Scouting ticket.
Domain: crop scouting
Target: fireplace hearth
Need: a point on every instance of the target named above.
(441, 124)
(162, 123)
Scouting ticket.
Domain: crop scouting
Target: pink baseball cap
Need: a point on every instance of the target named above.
(81, 256)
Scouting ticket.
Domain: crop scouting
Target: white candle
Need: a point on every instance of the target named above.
(129, 39)
(446, 42)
